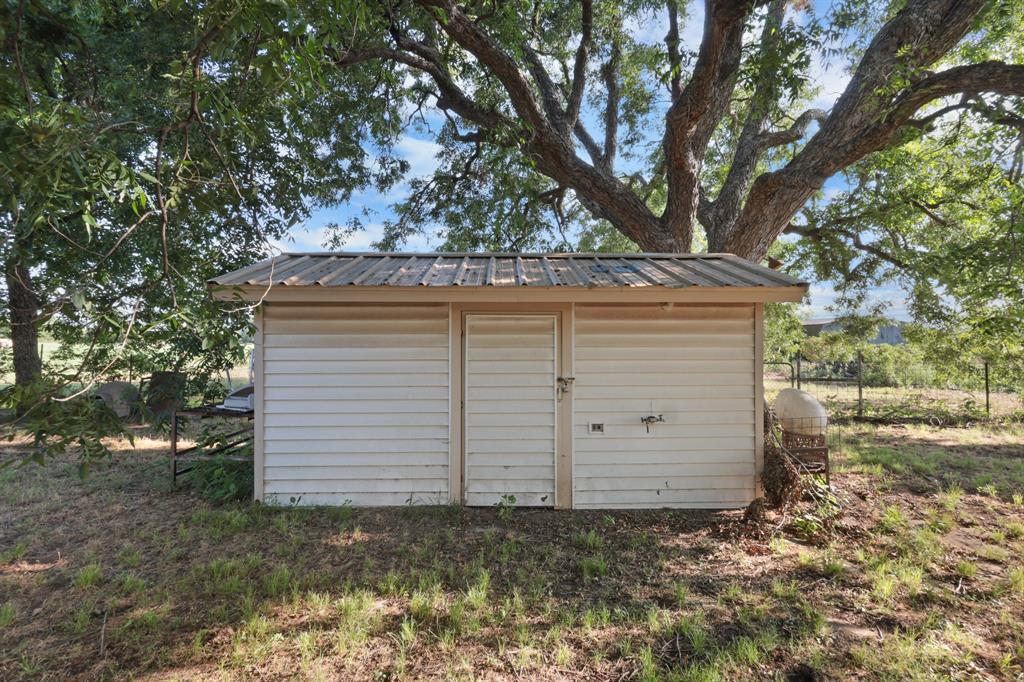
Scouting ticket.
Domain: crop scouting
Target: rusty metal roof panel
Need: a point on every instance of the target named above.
(577, 270)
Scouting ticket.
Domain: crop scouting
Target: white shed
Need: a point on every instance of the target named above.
(562, 380)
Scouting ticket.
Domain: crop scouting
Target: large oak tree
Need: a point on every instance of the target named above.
(567, 90)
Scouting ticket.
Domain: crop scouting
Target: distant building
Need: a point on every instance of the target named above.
(889, 333)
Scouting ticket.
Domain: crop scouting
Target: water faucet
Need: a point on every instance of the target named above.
(652, 419)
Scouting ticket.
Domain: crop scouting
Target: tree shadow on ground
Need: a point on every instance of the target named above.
(190, 590)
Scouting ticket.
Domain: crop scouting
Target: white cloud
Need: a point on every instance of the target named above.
(829, 79)
(421, 154)
(651, 29)
(299, 239)
(832, 191)
(422, 158)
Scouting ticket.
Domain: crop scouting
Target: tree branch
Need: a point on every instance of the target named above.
(818, 235)
(675, 61)
(451, 96)
(18, 16)
(471, 37)
(579, 71)
(549, 95)
(866, 118)
(993, 77)
(594, 150)
(794, 132)
(935, 217)
(694, 114)
(610, 73)
(547, 144)
(717, 215)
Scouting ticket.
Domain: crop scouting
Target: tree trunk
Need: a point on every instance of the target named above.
(24, 311)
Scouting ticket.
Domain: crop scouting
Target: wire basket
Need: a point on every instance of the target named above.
(806, 439)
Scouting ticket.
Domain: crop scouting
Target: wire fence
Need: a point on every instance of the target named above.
(862, 389)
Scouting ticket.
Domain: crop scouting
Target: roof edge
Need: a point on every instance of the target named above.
(563, 270)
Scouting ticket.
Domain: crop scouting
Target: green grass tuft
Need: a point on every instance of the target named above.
(593, 567)
(590, 540)
(88, 576)
(11, 555)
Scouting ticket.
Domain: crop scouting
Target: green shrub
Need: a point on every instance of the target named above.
(222, 481)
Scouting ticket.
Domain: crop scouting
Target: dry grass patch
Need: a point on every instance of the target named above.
(121, 576)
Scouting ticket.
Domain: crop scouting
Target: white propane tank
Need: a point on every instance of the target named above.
(120, 396)
(800, 412)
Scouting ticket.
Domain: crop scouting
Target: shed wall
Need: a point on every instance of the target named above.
(693, 364)
(356, 404)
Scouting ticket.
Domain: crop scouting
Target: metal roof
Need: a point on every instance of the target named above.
(577, 270)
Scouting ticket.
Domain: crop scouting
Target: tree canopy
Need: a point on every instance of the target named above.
(559, 105)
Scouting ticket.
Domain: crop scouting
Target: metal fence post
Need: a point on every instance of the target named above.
(988, 408)
(798, 371)
(860, 385)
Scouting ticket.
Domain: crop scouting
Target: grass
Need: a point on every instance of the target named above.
(922, 404)
(88, 576)
(129, 557)
(1014, 529)
(966, 569)
(13, 554)
(906, 655)
(591, 540)
(925, 575)
(923, 454)
(593, 567)
(892, 519)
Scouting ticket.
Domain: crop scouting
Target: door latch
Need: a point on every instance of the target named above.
(565, 385)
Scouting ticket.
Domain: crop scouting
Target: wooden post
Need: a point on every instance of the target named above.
(174, 447)
(860, 385)
(988, 407)
(758, 398)
(798, 370)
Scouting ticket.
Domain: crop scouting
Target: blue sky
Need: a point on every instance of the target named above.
(420, 151)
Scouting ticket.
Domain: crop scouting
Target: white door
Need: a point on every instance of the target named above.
(510, 400)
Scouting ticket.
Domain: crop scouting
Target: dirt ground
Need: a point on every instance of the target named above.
(122, 576)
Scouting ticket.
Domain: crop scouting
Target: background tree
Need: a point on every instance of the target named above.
(144, 149)
(942, 219)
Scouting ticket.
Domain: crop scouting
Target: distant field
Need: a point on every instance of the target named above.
(239, 376)
(899, 402)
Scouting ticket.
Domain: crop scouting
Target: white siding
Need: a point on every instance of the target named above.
(510, 409)
(356, 404)
(692, 364)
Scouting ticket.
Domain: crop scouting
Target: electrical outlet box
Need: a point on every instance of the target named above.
(597, 427)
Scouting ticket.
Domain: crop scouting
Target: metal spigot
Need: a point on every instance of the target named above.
(651, 419)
